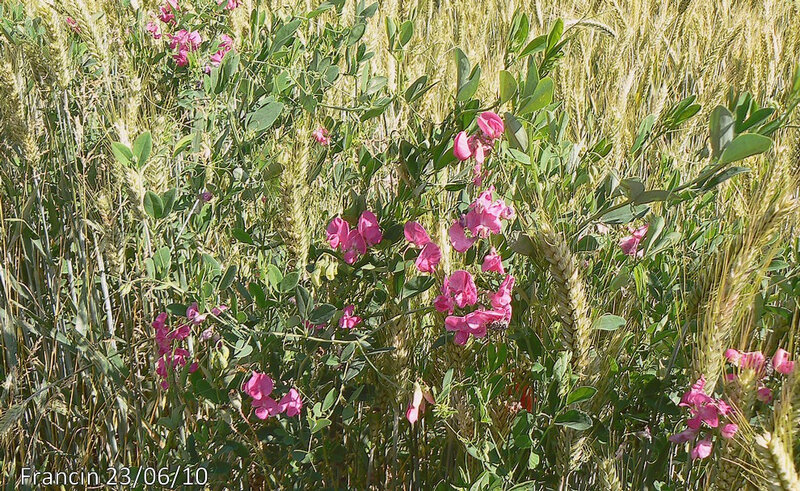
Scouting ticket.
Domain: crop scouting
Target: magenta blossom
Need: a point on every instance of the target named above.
(348, 320)
(259, 386)
(369, 228)
(154, 29)
(428, 258)
(73, 24)
(337, 232)
(321, 136)
(493, 262)
(729, 430)
(491, 125)
(266, 407)
(167, 11)
(291, 403)
(781, 362)
(225, 45)
(416, 234)
(764, 394)
(458, 237)
(630, 244)
(461, 286)
(702, 449)
(353, 246)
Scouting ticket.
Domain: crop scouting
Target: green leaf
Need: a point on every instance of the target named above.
(724, 176)
(541, 97)
(168, 198)
(406, 32)
(721, 124)
(142, 148)
(263, 118)
(122, 153)
(153, 204)
(555, 34)
(608, 322)
(468, 90)
(645, 128)
(375, 85)
(624, 215)
(519, 31)
(289, 281)
(538, 44)
(416, 89)
(320, 425)
(274, 276)
(577, 420)
(228, 277)
(581, 394)
(417, 285)
(330, 399)
(531, 78)
(508, 86)
(322, 314)
(182, 144)
(517, 136)
(242, 236)
(743, 146)
(462, 69)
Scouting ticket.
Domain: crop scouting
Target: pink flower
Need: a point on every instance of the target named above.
(444, 303)
(764, 394)
(461, 287)
(259, 386)
(153, 29)
(232, 4)
(416, 406)
(491, 125)
(702, 449)
(321, 136)
(729, 430)
(160, 321)
(459, 238)
(168, 10)
(266, 407)
(630, 244)
(291, 403)
(503, 296)
(485, 215)
(181, 58)
(428, 258)
(754, 360)
(733, 355)
(461, 146)
(348, 320)
(493, 262)
(684, 436)
(369, 228)
(194, 315)
(459, 326)
(73, 24)
(353, 246)
(206, 196)
(696, 396)
(337, 232)
(707, 414)
(207, 334)
(180, 333)
(218, 310)
(416, 234)
(781, 362)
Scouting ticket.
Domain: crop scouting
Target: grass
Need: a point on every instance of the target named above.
(88, 263)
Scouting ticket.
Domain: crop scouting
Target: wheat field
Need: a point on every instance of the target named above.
(424, 244)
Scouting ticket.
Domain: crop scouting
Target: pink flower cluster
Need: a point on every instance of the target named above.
(756, 361)
(459, 290)
(170, 356)
(354, 243)
(321, 136)
(431, 254)
(706, 412)
(630, 244)
(349, 320)
(225, 45)
(167, 12)
(260, 386)
(479, 145)
(483, 219)
(185, 42)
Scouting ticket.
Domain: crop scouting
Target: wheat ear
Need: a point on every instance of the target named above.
(780, 472)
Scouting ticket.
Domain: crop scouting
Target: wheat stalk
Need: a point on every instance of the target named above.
(776, 459)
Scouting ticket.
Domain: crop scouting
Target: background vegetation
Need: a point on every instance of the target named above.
(133, 186)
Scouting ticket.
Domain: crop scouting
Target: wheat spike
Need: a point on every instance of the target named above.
(780, 472)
